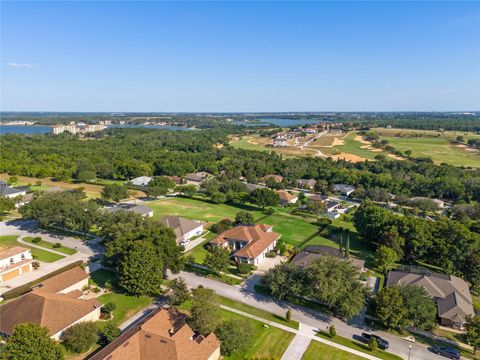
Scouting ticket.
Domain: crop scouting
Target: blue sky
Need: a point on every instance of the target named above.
(240, 56)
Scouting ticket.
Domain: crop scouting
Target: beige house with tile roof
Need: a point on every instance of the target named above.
(250, 243)
(14, 262)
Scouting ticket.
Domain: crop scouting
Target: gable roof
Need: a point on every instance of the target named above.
(307, 182)
(180, 225)
(312, 252)
(258, 238)
(318, 197)
(54, 311)
(64, 280)
(454, 300)
(141, 180)
(163, 334)
(343, 188)
(286, 196)
(198, 176)
(277, 178)
(138, 209)
(5, 189)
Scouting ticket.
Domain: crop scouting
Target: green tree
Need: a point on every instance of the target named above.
(80, 337)
(332, 331)
(217, 260)
(187, 190)
(114, 192)
(109, 332)
(373, 344)
(244, 218)
(6, 205)
(421, 309)
(473, 332)
(288, 315)
(385, 258)
(264, 197)
(140, 271)
(390, 307)
(179, 292)
(31, 342)
(235, 336)
(205, 312)
(159, 186)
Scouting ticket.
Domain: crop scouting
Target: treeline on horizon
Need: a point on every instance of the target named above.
(421, 121)
(128, 153)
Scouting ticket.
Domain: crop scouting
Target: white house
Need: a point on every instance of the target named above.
(14, 262)
(184, 229)
(10, 192)
(141, 181)
(343, 189)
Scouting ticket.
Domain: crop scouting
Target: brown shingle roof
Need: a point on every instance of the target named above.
(277, 178)
(286, 196)
(64, 280)
(54, 311)
(162, 335)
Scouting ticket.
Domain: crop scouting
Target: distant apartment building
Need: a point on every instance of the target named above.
(14, 262)
(79, 128)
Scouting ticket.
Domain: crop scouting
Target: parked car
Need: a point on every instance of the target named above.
(446, 351)
(382, 343)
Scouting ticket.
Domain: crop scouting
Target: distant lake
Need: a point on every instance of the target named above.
(45, 129)
(281, 122)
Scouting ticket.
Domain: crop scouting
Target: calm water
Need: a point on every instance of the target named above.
(279, 122)
(43, 129)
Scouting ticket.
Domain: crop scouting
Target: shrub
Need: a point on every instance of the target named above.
(80, 337)
(108, 285)
(36, 240)
(95, 289)
(288, 315)
(373, 344)
(332, 332)
(271, 254)
(109, 333)
(35, 265)
(57, 245)
(244, 268)
(109, 307)
(269, 211)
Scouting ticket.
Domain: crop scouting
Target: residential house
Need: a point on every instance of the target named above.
(343, 189)
(286, 197)
(318, 198)
(142, 210)
(277, 178)
(440, 203)
(14, 262)
(310, 130)
(251, 187)
(141, 181)
(184, 229)
(451, 293)
(313, 252)
(332, 209)
(176, 179)
(163, 334)
(55, 304)
(198, 178)
(280, 141)
(249, 243)
(306, 183)
(9, 192)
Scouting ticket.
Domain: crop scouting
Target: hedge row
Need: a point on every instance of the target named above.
(23, 289)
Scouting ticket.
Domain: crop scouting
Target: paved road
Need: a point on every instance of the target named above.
(86, 250)
(244, 293)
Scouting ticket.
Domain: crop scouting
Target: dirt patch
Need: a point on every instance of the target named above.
(468, 148)
(338, 141)
(348, 157)
(362, 140)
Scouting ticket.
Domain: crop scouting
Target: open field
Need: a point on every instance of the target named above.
(255, 142)
(92, 191)
(49, 245)
(7, 241)
(327, 352)
(296, 230)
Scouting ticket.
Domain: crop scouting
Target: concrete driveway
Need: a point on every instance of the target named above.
(86, 250)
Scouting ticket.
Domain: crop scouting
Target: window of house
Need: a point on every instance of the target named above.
(11, 260)
(23, 256)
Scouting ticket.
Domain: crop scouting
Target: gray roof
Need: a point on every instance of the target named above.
(331, 204)
(307, 182)
(180, 225)
(5, 189)
(141, 180)
(138, 209)
(343, 188)
(318, 197)
(198, 176)
(252, 187)
(312, 252)
(454, 301)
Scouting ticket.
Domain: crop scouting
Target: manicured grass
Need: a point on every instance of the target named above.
(101, 276)
(354, 147)
(257, 312)
(267, 342)
(317, 350)
(199, 252)
(7, 241)
(50, 245)
(126, 305)
(359, 346)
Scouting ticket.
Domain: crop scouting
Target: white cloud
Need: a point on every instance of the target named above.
(17, 65)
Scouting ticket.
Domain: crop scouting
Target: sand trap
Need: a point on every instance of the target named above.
(337, 141)
(348, 157)
(468, 148)
(253, 142)
(362, 140)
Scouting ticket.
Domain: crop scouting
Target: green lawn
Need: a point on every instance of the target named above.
(359, 347)
(317, 350)
(101, 276)
(296, 230)
(257, 312)
(439, 149)
(7, 241)
(199, 252)
(50, 245)
(126, 305)
(269, 341)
